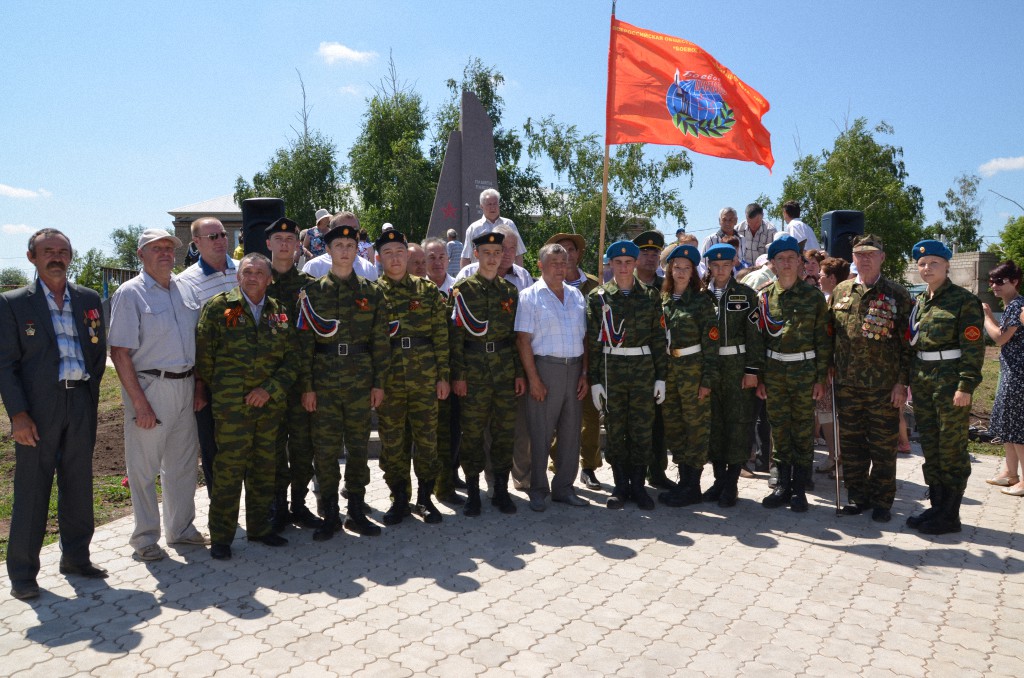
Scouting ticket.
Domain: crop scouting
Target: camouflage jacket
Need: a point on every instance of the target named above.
(493, 302)
(590, 282)
(639, 316)
(870, 344)
(417, 310)
(739, 324)
(653, 285)
(357, 305)
(797, 321)
(286, 287)
(950, 320)
(236, 353)
(691, 320)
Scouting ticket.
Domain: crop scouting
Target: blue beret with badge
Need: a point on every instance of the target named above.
(390, 236)
(720, 252)
(930, 248)
(622, 248)
(784, 243)
(688, 251)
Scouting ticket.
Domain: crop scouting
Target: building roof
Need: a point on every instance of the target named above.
(221, 206)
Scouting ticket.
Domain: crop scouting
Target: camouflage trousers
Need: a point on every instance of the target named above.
(408, 422)
(295, 449)
(446, 461)
(342, 421)
(868, 433)
(791, 410)
(246, 453)
(732, 413)
(687, 420)
(630, 409)
(487, 406)
(942, 426)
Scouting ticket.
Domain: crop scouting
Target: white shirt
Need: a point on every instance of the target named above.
(556, 328)
(802, 231)
(319, 266)
(482, 226)
(208, 282)
(518, 276)
(446, 286)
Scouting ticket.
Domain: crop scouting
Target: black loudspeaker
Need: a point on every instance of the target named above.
(257, 214)
(838, 229)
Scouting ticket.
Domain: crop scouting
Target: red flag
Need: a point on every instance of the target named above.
(666, 90)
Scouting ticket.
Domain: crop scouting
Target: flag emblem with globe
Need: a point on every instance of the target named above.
(697, 108)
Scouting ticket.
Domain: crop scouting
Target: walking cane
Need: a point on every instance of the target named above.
(835, 446)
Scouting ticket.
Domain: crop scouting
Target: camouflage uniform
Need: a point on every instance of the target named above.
(236, 353)
(628, 379)
(294, 438)
(951, 320)
(872, 354)
(418, 332)
(659, 451)
(341, 370)
(447, 466)
(798, 317)
(490, 365)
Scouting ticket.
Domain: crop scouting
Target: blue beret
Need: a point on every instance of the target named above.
(720, 252)
(930, 248)
(688, 251)
(622, 248)
(784, 243)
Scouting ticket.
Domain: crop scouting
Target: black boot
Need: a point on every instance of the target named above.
(356, 520)
(935, 493)
(620, 493)
(279, 514)
(947, 518)
(399, 506)
(302, 515)
(331, 520)
(658, 479)
(730, 490)
(780, 495)
(797, 497)
(501, 499)
(638, 489)
(687, 492)
(472, 507)
(714, 493)
(424, 507)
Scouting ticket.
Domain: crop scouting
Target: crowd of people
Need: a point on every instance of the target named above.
(268, 373)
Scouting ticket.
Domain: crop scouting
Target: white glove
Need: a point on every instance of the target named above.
(659, 392)
(598, 395)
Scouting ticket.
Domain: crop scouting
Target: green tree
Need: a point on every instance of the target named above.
(13, 277)
(305, 174)
(961, 216)
(125, 242)
(386, 163)
(859, 173)
(1011, 245)
(87, 268)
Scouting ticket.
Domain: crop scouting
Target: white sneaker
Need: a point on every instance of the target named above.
(150, 553)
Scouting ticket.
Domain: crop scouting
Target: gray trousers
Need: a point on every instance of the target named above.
(561, 411)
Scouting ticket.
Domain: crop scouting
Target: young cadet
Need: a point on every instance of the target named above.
(740, 361)
(795, 322)
(486, 371)
(343, 326)
(625, 332)
(418, 379)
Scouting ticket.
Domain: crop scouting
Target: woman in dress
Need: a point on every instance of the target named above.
(1008, 411)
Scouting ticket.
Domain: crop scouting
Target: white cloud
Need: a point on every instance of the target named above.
(335, 51)
(351, 90)
(17, 229)
(997, 165)
(14, 192)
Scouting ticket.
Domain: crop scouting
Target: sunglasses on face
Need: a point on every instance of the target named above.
(213, 237)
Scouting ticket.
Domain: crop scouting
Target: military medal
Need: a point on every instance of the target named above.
(30, 329)
(95, 340)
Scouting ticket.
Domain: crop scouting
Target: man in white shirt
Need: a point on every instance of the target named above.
(489, 204)
(726, 226)
(798, 229)
(319, 266)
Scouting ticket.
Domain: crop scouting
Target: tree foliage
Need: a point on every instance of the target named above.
(125, 242)
(1012, 240)
(12, 276)
(961, 216)
(859, 173)
(87, 268)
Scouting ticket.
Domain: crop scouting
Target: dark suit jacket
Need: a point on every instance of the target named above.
(29, 358)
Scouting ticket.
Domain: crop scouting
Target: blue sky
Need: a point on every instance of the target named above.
(115, 113)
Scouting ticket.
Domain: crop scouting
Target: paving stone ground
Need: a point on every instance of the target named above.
(568, 592)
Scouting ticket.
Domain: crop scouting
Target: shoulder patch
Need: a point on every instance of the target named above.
(737, 297)
(713, 334)
(755, 316)
(972, 333)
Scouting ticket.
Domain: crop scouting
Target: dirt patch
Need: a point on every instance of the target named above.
(108, 455)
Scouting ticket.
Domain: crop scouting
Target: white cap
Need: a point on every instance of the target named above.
(386, 227)
(154, 234)
(320, 214)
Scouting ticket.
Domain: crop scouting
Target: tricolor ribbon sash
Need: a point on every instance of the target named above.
(309, 319)
(465, 318)
(768, 323)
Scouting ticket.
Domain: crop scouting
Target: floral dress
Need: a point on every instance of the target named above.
(1008, 411)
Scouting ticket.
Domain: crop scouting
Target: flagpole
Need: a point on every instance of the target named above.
(604, 182)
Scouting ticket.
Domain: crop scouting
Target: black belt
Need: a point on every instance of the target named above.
(486, 346)
(411, 342)
(558, 361)
(164, 374)
(342, 349)
(72, 383)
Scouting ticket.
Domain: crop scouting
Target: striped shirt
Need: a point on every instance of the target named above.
(753, 245)
(206, 281)
(556, 328)
(72, 360)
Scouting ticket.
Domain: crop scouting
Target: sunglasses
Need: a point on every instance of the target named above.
(214, 237)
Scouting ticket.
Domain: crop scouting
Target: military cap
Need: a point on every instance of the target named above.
(650, 240)
(784, 243)
(282, 225)
(351, 232)
(869, 242)
(576, 240)
(491, 238)
(622, 248)
(930, 248)
(389, 236)
(720, 252)
(688, 251)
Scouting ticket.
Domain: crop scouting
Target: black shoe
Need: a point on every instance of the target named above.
(280, 516)
(658, 479)
(639, 492)
(781, 494)
(26, 590)
(620, 493)
(304, 517)
(935, 495)
(730, 490)
(501, 499)
(853, 509)
(714, 493)
(269, 540)
(881, 515)
(220, 552)
(472, 507)
(86, 570)
(450, 498)
(424, 507)
(399, 507)
(797, 497)
(331, 522)
(356, 520)
(457, 482)
(589, 479)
